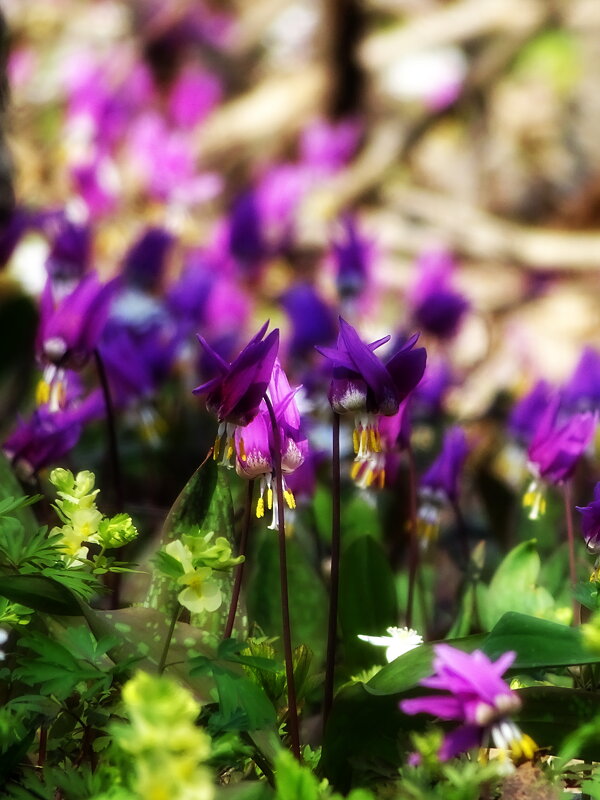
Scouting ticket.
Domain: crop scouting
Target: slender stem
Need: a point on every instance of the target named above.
(462, 530)
(567, 495)
(239, 570)
(165, 652)
(43, 746)
(335, 570)
(413, 543)
(283, 580)
(113, 448)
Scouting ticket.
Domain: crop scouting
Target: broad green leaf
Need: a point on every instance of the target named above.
(406, 671)
(308, 598)
(538, 643)
(203, 506)
(367, 598)
(40, 593)
(550, 714)
(513, 587)
(359, 514)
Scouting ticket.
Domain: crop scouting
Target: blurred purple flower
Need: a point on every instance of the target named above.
(193, 96)
(440, 484)
(145, 261)
(527, 411)
(12, 230)
(437, 307)
(590, 521)
(70, 328)
(477, 697)
(247, 243)
(582, 390)
(365, 387)
(330, 145)
(69, 255)
(313, 322)
(353, 258)
(236, 392)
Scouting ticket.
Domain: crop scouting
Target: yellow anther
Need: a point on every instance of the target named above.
(370, 476)
(230, 448)
(364, 439)
(269, 498)
(290, 499)
(42, 392)
(242, 450)
(216, 447)
(355, 440)
(260, 508)
(524, 748)
(355, 469)
(534, 500)
(374, 440)
(381, 478)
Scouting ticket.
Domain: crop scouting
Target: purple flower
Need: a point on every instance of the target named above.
(235, 394)
(353, 258)
(556, 448)
(440, 484)
(554, 452)
(312, 319)
(590, 521)
(145, 261)
(365, 387)
(193, 96)
(254, 443)
(70, 328)
(477, 697)
(582, 391)
(527, 411)
(69, 254)
(437, 307)
(246, 239)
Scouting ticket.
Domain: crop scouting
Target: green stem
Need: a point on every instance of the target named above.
(165, 652)
(567, 496)
(283, 580)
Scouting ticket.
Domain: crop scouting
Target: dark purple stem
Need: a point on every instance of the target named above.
(239, 570)
(413, 543)
(283, 579)
(113, 447)
(335, 570)
(567, 495)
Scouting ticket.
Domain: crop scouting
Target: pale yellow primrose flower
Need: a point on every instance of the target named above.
(83, 527)
(398, 641)
(201, 592)
(166, 744)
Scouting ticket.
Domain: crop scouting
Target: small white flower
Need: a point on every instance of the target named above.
(3, 638)
(398, 641)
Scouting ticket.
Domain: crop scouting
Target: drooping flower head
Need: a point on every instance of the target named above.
(69, 329)
(365, 387)
(235, 393)
(438, 308)
(145, 260)
(590, 521)
(254, 443)
(582, 390)
(527, 411)
(477, 697)
(554, 452)
(440, 484)
(394, 436)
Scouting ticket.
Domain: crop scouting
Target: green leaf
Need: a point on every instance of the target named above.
(538, 643)
(308, 598)
(10, 487)
(40, 593)
(204, 505)
(513, 587)
(550, 714)
(367, 598)
(406, 671)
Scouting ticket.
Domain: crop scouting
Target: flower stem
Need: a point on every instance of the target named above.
(170, 632)
(567, 495)
(413, 543)
(113, 448)
(335, 570)
(239, 570)
(283, 580)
